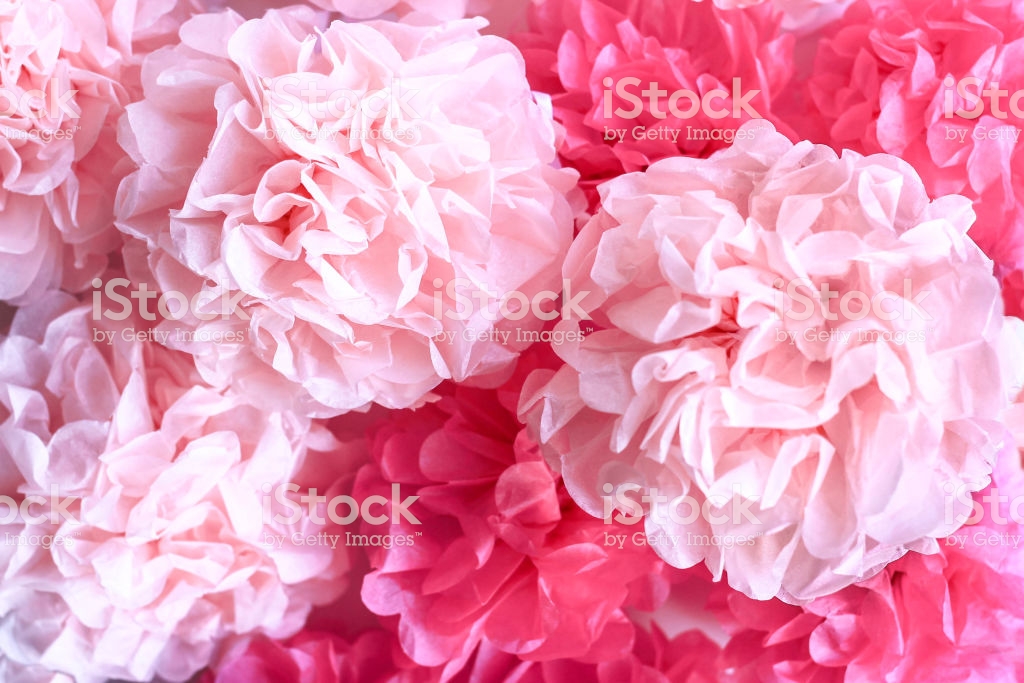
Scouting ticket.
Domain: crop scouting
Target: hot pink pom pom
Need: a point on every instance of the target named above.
(579, 51)
(501, 557)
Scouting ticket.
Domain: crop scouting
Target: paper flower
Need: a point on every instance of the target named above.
(799, 351)
(583, 52)
(955, 616)
(152, 539)
(892, 75)
(60, 69)
(501, 557)
(368, 233)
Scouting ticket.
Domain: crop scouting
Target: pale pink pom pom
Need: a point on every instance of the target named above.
(710, 379)
(954, 616)
(157, 549)
(339, 231)
(60, 164)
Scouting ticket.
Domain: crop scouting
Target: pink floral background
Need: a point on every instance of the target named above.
(658, 341)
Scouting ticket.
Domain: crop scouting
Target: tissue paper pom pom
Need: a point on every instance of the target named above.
(164, 549)
(955, 616)
(344, 236)
(69, 67)
(317, 657)
(885, 79)
(59, 160)
(818, 437)
(501, 554)
(578, 47)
